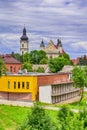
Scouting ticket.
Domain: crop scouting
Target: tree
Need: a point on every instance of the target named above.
(42, 55)
(37, 56)
(38, 120)
(56, 64)
(27, 66)
(79, 76)
(43, 61)
(40, 70)
(2, 67)
(17, 56)
(67, 59)
(26, 57)
(34, 57)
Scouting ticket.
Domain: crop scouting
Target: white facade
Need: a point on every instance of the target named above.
(23, 47)
(45, 94)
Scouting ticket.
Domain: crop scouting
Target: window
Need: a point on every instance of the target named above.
(23, 85)
(8, 84)
(22, 52)
(14, 69)
(18, 84)
(10, 68)
(14, 85)
(22, 45)
(27, 85)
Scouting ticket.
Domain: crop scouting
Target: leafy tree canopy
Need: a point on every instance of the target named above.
(56, 64)
(27, 66)
(37, 56)
(2, 67)
(79, 76)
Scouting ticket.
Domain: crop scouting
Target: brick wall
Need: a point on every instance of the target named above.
(3, 95)
(16, 96)
(15, 67)
(51, 79)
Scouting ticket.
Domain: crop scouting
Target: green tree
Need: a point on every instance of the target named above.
(56, 64)
(67, 59)
(26, 57)
(37, 56)
(17, 56)
(40, 70)
(43, 61)
(42, 55)
(27, 66)
(2, 67)
(79, 77)
(34, 57)
(64, 116)
(38, 120)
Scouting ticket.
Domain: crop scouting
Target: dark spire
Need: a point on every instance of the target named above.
(24, 36)
(42, 44)
(24, 31)
(59, 43)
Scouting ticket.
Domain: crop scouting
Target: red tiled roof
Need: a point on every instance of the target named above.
(75, 61)
(56, 46)
(8, 59)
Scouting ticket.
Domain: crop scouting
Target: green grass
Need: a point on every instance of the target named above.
(12, 117)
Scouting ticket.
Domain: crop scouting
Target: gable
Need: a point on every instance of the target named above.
(50, 47)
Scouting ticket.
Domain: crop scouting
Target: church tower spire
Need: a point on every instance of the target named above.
(24, 42)
(42, 46)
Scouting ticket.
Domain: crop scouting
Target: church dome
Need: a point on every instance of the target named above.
(24, 36)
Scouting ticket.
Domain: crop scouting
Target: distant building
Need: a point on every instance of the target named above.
(24, 41)
(12, 65)
(75, 61)
(51, 49)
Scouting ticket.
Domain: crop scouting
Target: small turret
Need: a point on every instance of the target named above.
(42, 46)
(59, 44)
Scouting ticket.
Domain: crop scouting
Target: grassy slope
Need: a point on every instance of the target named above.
(12, 116)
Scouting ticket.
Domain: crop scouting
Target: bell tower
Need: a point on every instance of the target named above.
(24, 42)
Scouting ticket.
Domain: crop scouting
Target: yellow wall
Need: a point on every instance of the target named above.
(19, 78)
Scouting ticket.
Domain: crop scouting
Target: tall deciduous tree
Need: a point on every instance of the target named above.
(37, 56)
(26, 57)
(79, 77)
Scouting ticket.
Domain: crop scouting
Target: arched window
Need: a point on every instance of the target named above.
(10, 68)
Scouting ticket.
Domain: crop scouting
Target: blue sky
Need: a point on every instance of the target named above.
(44, 19)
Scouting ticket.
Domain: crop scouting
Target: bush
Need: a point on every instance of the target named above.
(40, 70)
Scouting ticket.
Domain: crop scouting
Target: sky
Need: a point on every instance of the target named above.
(44, 19)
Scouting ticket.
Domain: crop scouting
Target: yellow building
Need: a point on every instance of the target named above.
(18, 87)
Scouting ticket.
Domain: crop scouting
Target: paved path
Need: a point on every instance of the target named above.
(16, 103)
(29, 104)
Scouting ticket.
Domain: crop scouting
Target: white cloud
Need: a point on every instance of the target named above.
(47, 19)
(80, 45)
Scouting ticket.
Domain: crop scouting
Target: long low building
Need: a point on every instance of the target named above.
(49, 88)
